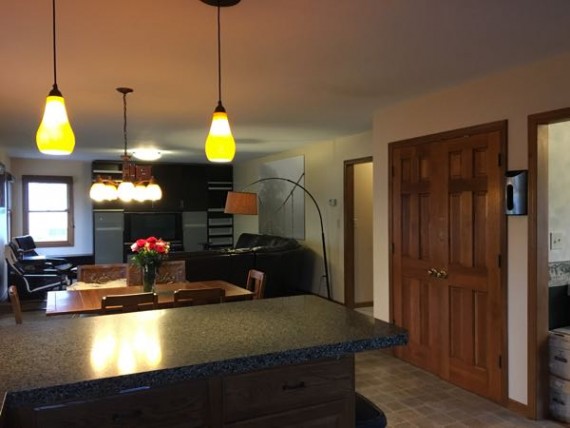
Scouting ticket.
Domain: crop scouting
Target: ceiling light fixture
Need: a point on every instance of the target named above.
(147, 154)
(137, 183)
(54, 135)
(220, 143)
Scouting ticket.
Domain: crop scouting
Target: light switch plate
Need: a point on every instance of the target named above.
(557, 240)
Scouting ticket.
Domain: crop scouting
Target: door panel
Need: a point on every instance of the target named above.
(415, 298)
(448, 232)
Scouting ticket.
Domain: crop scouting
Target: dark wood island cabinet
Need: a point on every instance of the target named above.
(284, 362)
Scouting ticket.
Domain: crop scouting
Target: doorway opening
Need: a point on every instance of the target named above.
(358, 256)
(545, 129)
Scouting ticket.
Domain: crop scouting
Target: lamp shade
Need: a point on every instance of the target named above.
(153, 191)
(139, 193)
(55, 136)
(220, 144)
(126, 191)
(241, 203)
(97, 192)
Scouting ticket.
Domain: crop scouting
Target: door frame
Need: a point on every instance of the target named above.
(502, 127)
(349, 287)
(538, 260)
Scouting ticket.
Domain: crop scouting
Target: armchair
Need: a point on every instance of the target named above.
(32, 276)
(25, 249)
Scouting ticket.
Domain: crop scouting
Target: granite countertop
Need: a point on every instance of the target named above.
(56, 360)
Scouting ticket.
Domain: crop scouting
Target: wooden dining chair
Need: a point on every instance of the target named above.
(101, 273)
(256, 283)
(15, 302)
(128, 302)
(168, 272)
(200, 296)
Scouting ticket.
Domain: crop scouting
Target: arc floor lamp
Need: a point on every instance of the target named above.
(245, 203)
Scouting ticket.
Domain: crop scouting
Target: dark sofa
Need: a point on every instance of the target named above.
(283, 260)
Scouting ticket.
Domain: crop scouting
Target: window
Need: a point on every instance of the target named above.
(48, 210)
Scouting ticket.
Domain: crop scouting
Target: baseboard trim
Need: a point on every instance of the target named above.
(520, 408)
(363, 304)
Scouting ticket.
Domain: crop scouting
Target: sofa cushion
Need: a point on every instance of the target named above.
(265, 243)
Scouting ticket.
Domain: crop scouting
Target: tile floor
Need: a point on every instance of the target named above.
(409, 396)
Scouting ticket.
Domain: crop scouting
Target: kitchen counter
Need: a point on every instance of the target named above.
(98, 356)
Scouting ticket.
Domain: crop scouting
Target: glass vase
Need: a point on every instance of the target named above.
(149, 278)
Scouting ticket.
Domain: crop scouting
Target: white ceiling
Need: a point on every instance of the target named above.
(294, 71)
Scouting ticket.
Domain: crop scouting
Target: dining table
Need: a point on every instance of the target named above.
(88, 301)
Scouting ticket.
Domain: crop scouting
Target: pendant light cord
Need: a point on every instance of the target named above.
(219, 58)
(54, 45)
(125, 121)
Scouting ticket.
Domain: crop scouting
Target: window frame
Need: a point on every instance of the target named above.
(26, 180)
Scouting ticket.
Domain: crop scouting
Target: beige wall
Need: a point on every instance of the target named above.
(5, 160)
(81, 173)
(363, 238)
(324, 166)
(509, 95)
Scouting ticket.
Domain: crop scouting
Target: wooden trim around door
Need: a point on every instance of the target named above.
(349, 229)
(538, 259)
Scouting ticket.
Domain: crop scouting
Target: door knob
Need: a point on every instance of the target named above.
(437, 273)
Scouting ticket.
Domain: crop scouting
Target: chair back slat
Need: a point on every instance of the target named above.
(168, 272)
(256, 283)
(101, 273)
(128, 302)
(15, 302)
(203, 296)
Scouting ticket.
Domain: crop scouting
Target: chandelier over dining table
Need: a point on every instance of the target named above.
(137, 182)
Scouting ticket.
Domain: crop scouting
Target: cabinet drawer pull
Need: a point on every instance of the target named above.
(119, 417)
(299, 385)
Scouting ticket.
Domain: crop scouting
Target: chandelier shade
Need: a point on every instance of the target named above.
(54, 135)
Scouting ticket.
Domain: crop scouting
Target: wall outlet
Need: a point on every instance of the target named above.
(557, 240)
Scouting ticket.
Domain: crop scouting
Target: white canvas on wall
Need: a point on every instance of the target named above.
(281, 203)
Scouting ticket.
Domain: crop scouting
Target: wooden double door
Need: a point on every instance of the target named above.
(448, 235)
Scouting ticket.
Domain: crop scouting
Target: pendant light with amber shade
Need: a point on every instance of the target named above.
(220, 143)
(54, 135)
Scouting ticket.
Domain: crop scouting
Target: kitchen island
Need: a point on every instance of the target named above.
(273, 362)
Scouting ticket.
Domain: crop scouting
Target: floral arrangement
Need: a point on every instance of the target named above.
(150, 251)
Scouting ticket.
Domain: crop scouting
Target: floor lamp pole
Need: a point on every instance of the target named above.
(325, 261)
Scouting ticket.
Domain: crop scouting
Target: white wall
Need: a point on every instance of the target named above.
(511, 95)
(81, 173)
(324, 166)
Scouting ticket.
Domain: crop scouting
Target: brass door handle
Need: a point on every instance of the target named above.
(432, 272)
(437, 273)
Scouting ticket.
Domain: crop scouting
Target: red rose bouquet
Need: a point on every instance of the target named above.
(149, 253)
